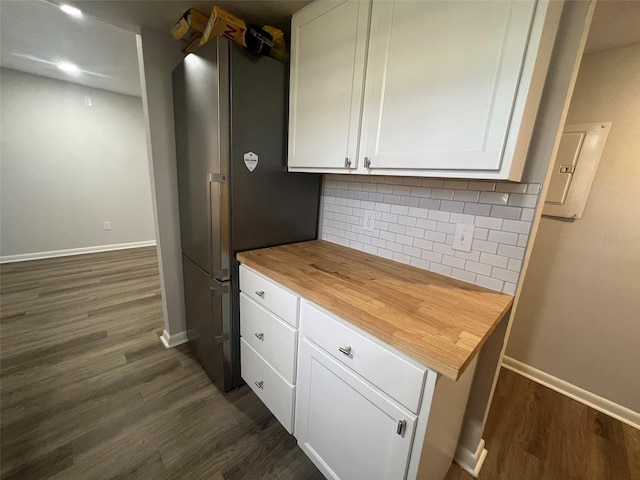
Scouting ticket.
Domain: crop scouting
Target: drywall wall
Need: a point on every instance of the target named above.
(68, 167)
(158, 55)
(578, 318)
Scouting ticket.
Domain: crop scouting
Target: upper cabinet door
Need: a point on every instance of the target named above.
(442, 78)
(327, 74)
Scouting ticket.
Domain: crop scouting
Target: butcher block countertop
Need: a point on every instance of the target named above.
(439, 321)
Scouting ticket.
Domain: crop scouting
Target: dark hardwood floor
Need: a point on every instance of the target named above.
(87, 391)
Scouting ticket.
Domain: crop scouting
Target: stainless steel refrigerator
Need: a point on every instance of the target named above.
(235, 192)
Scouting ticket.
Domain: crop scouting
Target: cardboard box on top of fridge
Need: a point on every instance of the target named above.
(226, 25)
(192, 23)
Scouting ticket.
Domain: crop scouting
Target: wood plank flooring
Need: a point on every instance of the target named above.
(88, 392)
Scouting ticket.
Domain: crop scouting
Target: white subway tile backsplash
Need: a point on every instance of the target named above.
(516, 226)
(506, 275)
(482, 186)
(456, 184)
(407, 221)
(484, 246)
(426, 224)
(501, 211)
(439, 215)
(413, 181)
(477, 209)
(409, 201)
(451, 206)
(463, 275)
(503, 237)
(423, 244)
(429, 203)
(511, 187)
(494, 198)
(510, 251)
(397, 228)
(432, 182)
(435, 236)
(466, 195)
(494, 260)
(415, 219)
(477, 267)
(441, 269)
(519, 200)
(489, 282)
(442, 194)
(514, 264)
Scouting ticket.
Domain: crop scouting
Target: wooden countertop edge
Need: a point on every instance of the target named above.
(447, 369)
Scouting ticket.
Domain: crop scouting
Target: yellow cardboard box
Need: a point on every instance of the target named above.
(193, 23)
(225, 24)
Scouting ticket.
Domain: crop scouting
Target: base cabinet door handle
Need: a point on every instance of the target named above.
(401, 425)
(259, 384)
(259, 336)
(260, 293)
(345, 350)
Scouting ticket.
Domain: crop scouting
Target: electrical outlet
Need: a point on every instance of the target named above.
(369, 220)
(107, 225)
(463, 237)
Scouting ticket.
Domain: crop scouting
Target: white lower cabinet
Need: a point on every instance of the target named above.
(349, 429)
(359, 408)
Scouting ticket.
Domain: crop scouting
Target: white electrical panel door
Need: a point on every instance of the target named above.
(442, 78)
(574, 169)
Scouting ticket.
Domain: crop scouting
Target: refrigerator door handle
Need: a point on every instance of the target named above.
(218, 231)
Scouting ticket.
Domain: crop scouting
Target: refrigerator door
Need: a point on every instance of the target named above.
(207, 306)
(201, 92)
(269, 206)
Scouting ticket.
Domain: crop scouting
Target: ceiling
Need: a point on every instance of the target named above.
(616, 23)
(35, 34)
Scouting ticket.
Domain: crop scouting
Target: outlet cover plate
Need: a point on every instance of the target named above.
(369, 220)
(463, 237)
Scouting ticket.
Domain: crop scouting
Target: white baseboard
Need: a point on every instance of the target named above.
(74, 251)
(170, 341)
(624, 414)
(471, 462)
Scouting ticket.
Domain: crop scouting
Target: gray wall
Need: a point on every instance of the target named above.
(67, 167)
(158, 55)
(580, 304)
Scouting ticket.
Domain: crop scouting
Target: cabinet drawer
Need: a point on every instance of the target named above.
(392, 374)
(270, 387)
(270, 295)
(273, 339)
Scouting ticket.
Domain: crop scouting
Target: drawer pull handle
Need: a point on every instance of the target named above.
(345, 350)
(260, 293)
(259, 336)
(401, 425)
(259, 384)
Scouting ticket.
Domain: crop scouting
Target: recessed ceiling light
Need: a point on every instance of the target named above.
(67, 67)
(73, 11)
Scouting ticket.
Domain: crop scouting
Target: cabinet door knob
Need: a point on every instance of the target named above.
(259, 384)
(259, 336)
(401, 425)
(260, 293)
(345, 350)
(367, 162)
(347, 162)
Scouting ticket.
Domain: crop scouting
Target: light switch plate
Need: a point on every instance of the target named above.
(463, 237)
(369, 220)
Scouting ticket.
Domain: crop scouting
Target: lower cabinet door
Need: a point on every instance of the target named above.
(350, 430)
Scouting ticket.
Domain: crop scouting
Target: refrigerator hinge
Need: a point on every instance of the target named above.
(217, 177)
(221, 275)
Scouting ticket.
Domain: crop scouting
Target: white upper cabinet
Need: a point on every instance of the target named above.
(328, 50)
(452, 88)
